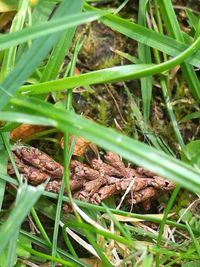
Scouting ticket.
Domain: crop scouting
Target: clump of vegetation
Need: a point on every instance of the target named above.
(99, 133)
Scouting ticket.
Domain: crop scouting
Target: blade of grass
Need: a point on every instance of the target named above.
(191, 116)
(26, 201)
(106, 234)
(96, 208)
(162, 225)
(132, 150)
(58, 54)
(51, 27)
(42, 11)
(67, 157)
(193, 19)
(46, 256)
(194, 239)
(144, 54)
(146, 36)
(3, 167)
(36, 16)
(36, 240)
(25, 118)
(17, 25)
(146, 130)
(114, 74)
(172, 26)
(9, 152)
(34, 56)
(40, 227)
(12, 245)
(117, 224)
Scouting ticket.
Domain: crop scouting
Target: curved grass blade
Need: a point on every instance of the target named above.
(114, 74)
(109, 139)
(148, 37)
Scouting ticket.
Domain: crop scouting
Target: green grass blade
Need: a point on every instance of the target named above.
(173, 28)
(3, 168)
(58, 54)
(194, 239)
(47, 28)
(38, 241)
(106, 234)
(26, 201)
(46, 256)
(25, 118)
(162, 225)
(132, 150)
(165, 90)
(145, 57)
(146, 130)
(10, 155)
(17, 25)
(40, 14)
(190, 116)
(27, 64)
(42, 11)
(148, 37)
(40, 227)
(193, 19)
(12, 246)
(114, 74)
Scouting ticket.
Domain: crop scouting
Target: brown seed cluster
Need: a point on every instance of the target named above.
(92, 183)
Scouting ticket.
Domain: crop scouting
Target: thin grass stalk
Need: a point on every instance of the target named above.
(40, 227)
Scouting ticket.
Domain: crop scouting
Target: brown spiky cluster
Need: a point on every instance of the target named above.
(92, 183)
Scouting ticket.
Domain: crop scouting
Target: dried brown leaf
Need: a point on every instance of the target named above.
(25, 130)
(80, 146)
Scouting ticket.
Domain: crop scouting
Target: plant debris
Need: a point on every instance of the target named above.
(92, 183)
(25, 130)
